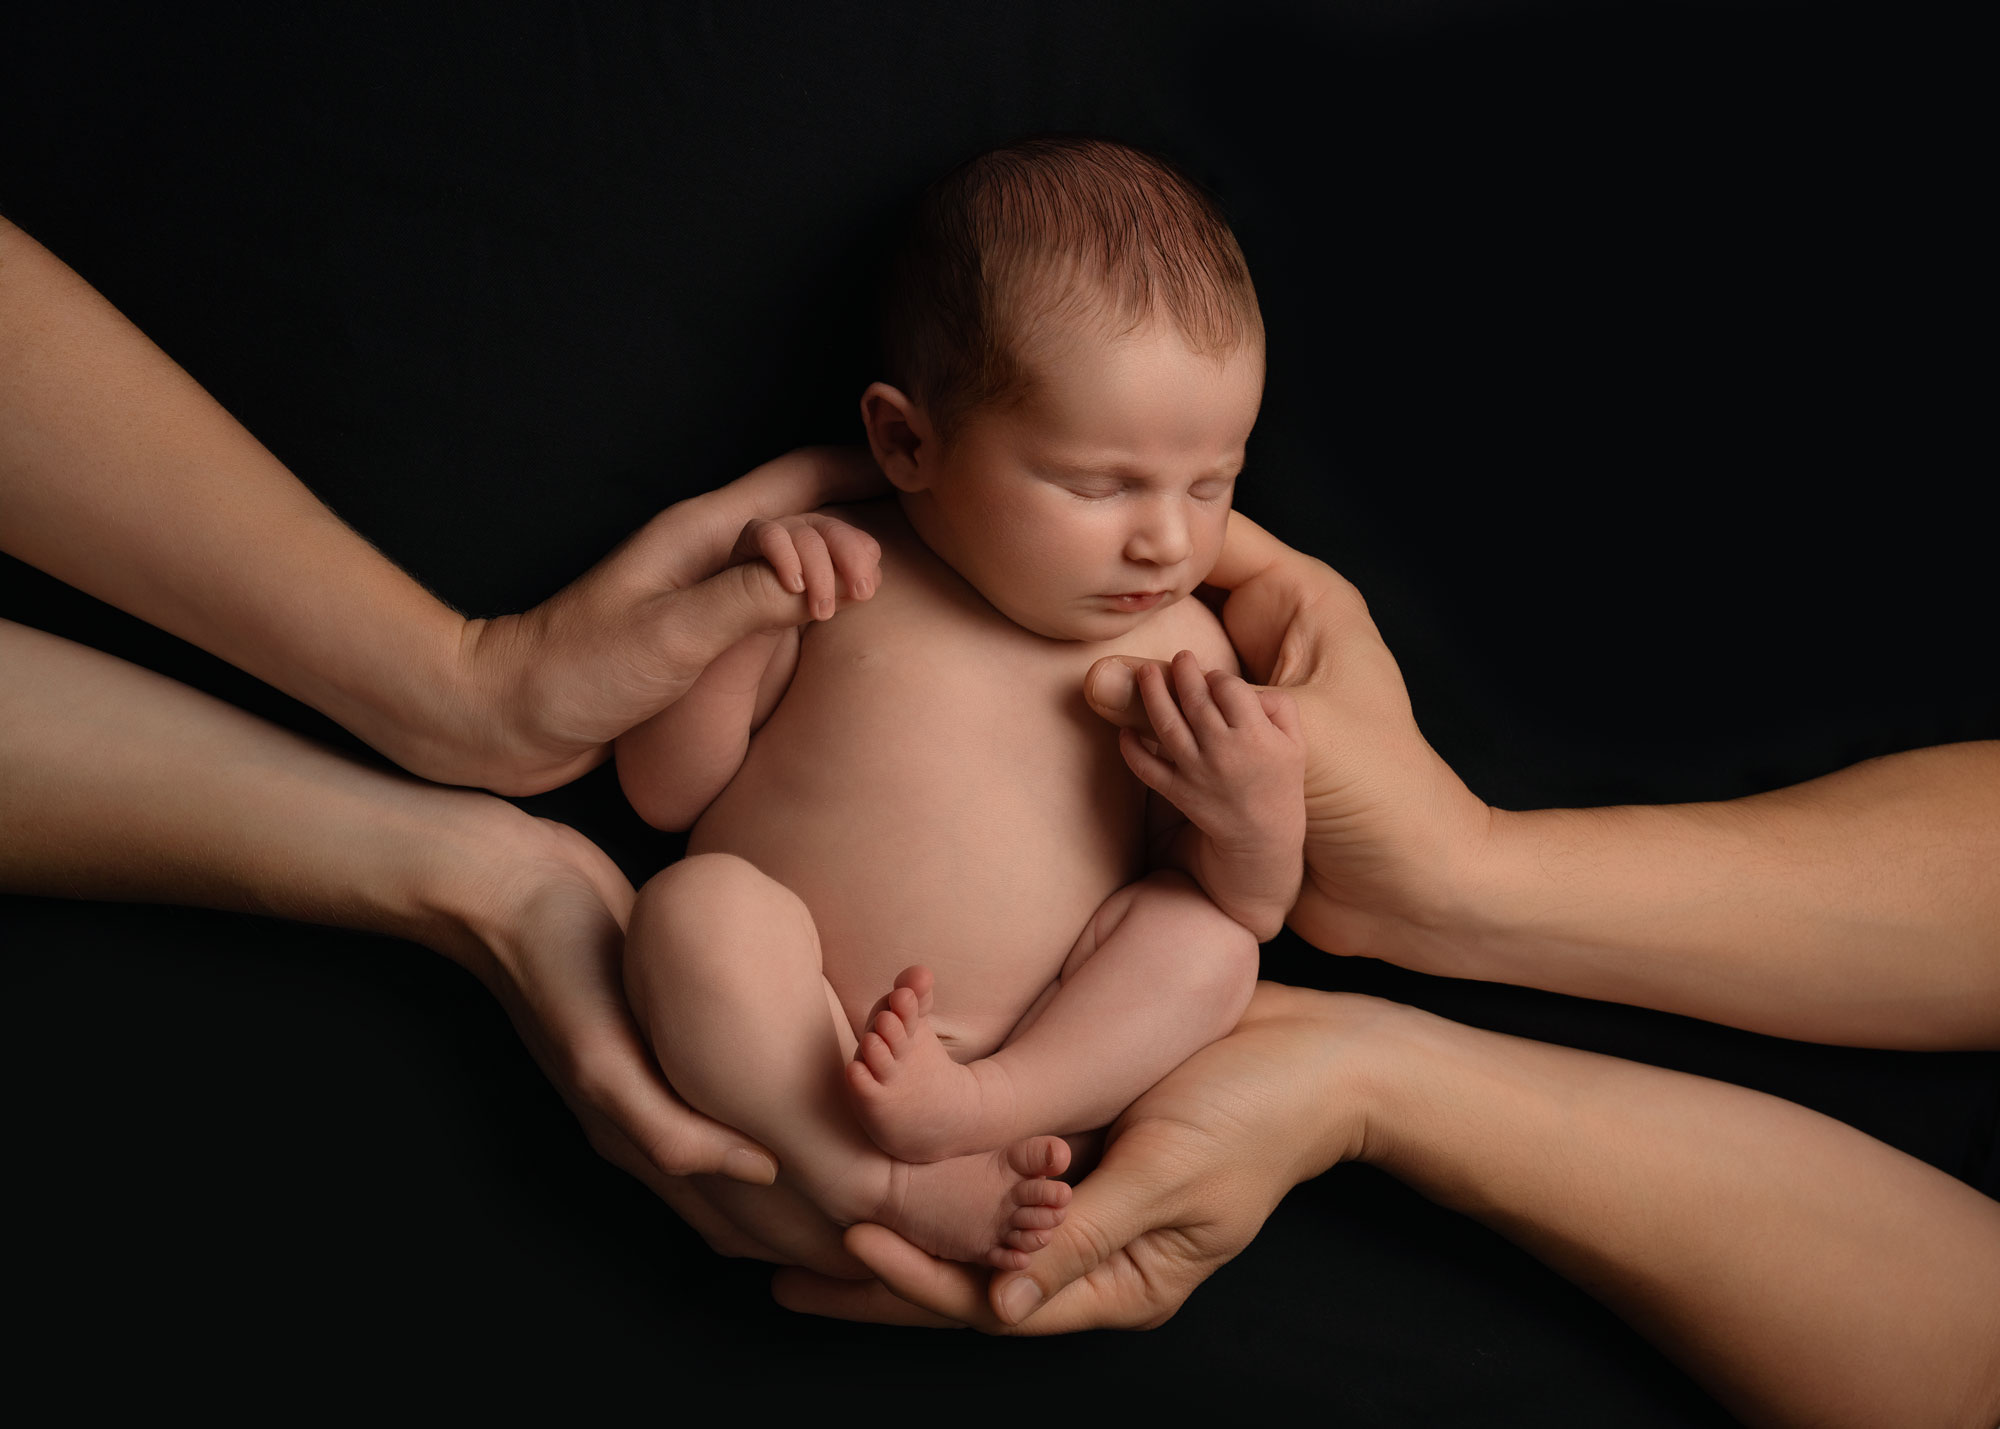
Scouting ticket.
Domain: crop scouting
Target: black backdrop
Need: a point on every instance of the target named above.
(1615, 353)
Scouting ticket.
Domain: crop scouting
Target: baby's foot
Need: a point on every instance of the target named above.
(911, 1098)
(997, 1208)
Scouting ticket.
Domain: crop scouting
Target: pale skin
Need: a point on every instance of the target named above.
(1802, 1271)
(121, 476)
(890, 880)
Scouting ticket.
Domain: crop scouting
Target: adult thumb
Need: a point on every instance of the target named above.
(1107, 1214)
(705, 619)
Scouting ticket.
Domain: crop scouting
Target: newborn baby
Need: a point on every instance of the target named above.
(914, 943)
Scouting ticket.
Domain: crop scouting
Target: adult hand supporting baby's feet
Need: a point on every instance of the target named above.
(1390, 829)
(1189, 1174)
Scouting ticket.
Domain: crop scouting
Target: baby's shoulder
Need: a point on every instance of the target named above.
(1189, 625)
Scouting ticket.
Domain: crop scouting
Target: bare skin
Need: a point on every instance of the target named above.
(122, 477)
(1857, 908)
(925, 781)
(1805, 1272)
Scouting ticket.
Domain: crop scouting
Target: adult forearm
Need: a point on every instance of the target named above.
(122, 477)
(1804, 1272)
(118, 783)
(1860, 908)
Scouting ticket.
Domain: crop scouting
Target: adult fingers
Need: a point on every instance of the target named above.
(696, 625)
(1111, 688)
(724, 1236)
(810, 1293)
(924, 1290)
(617, 1082)
(1248, 550)
(1078, 1280)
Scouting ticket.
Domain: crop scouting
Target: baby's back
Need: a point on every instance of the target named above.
(934, 788)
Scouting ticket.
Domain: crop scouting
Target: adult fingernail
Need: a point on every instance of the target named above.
(1114, 686)
(1019, 1300)
(741, 1165)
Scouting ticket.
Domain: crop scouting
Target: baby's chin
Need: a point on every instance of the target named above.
(1082, 626)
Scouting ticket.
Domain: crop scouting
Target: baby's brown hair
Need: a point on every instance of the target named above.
(1027, 239)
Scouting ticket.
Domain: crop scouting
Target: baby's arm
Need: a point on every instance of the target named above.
(672, 766)
(1232, 759)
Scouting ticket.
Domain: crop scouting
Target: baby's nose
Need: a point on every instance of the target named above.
(1162, 537)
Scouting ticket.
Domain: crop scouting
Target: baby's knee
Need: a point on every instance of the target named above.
(707, 910)
(1218, 954)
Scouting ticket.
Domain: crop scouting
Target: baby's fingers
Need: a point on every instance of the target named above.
(1237, 699)
(1170, 727)
(1197, 702)
(857, 558)
(1283, 711)
(821, 588)
(771, 543)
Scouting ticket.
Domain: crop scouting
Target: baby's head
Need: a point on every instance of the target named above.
(1075, 360)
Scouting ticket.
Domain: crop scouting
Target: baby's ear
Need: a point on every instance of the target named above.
(899, 434)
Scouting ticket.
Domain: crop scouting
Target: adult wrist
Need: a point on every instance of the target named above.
(1348, 1051)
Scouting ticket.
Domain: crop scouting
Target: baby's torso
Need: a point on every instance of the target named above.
(934, 788)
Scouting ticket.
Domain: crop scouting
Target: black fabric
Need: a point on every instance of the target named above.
(1614, 352)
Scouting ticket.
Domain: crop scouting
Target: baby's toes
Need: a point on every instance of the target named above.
(1025, 1240)
(1042, 1192)
(1037, 1218)
(1007, 1258)
(1040, 1156)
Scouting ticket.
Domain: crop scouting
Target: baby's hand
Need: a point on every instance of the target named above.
(1231, 758)
(816, 556)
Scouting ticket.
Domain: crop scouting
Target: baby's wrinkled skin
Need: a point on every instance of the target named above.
(930, 818)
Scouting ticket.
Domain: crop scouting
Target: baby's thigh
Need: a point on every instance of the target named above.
(713, 936)
(1165, 925)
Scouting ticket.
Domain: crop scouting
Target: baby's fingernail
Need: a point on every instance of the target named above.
(795, 584)
(1018, 1300)
(741, 1165)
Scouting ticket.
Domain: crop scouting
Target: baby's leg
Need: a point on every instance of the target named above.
(722, 967)
(1158, 972)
